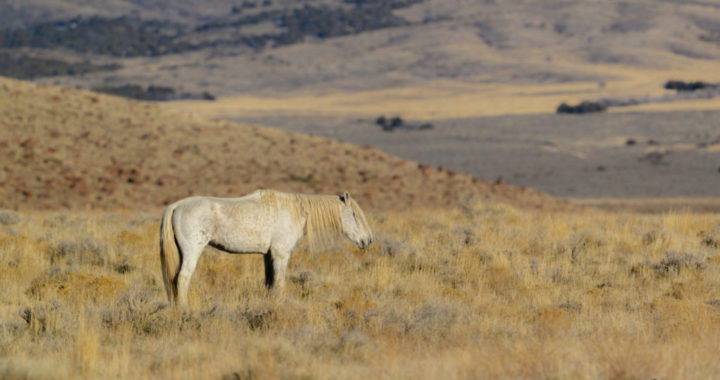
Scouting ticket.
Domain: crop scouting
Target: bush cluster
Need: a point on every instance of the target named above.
(325, 22)
(132, 37)
(152, 92)
(121, 36)
(26, 67)
(389, 124)
(584, 107)
(679, 85)
(242, 21)
(387, 4)
(315, 21)
(396, 122)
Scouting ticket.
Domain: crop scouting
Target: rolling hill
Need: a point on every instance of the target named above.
(69, 148)
(425, 59)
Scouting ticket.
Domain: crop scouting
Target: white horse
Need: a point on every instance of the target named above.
(265, 221)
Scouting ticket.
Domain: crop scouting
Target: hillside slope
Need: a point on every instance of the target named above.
(67, 148)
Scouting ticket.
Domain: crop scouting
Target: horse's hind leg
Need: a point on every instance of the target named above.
(190, 256)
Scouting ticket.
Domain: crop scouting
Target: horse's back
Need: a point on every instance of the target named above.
(203, 206)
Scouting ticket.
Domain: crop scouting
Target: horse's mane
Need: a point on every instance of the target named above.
(360, 216)
(322, 211)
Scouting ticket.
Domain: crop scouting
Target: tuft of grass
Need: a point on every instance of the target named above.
(79, 251)
(9, 218)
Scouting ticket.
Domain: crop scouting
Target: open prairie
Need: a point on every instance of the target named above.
(460, 284)
(480, 291)
(481, 266)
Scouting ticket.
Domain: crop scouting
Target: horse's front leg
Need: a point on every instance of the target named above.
(275, 265)
(269, 270)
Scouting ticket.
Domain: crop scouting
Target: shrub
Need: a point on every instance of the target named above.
(681, 86)
(26, 67)
(387, 4)
(584, 107)
(389, 124)
(396, 122)
(135, 91)
(8, 217)
(152, 92)
(132, 36)
(80, 251)
(121, 36)
(672, 264)
(381, 121)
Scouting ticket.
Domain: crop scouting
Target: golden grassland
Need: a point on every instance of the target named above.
(480, 291)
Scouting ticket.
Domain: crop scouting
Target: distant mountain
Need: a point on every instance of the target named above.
(273, 46)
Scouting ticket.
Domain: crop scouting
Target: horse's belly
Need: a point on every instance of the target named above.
(243, 241)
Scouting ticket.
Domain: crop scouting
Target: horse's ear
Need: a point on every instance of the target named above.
(345, 197)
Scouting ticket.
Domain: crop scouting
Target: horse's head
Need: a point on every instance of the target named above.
(355, 226)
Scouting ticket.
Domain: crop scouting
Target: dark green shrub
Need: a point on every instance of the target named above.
(584, 107)
(26, 67)
(678, 85)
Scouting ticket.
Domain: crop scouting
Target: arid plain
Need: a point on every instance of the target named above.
(471, 276)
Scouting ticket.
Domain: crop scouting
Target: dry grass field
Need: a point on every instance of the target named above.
(467, 278)
(479, 291)
(443, 99)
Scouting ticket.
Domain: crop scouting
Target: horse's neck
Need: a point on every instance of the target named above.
(311, 212)
(303, 212)
(320, 213)
(299, 206)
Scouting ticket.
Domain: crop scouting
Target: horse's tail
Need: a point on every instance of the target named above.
(169, 254)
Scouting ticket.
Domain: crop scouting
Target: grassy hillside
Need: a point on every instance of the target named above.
(485, 291)
(77, 149)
